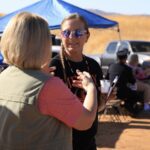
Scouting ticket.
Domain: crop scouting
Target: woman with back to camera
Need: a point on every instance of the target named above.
(74, 35)
(33, 116)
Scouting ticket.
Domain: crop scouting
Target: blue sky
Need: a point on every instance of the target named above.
(118, 6)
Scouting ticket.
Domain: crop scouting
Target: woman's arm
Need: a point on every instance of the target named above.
(90, 103)
(57, 100)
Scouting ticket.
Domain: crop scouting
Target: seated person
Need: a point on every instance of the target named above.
(146, 67)
(139, 74)
(126, 78)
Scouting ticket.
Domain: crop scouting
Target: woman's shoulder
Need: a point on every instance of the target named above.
(91, 60)
(94, 67)
(54, 80)
(54, 84)
(55, 87)
(128, 68)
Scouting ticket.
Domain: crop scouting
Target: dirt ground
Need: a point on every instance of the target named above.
(129, 134)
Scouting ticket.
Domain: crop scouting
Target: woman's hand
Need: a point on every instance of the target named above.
(47, 69)
(84, 80)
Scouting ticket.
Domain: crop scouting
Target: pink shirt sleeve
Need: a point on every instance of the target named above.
(57, 100)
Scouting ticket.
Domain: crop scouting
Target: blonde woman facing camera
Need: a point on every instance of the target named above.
(33, 116)
(74, 35)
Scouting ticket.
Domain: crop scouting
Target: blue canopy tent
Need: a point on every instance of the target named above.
(54, 12)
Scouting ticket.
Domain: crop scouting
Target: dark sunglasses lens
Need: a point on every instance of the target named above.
(66, 33)
(75, 33)
(78, 33)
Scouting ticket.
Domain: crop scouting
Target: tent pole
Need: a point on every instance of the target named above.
(118, 30)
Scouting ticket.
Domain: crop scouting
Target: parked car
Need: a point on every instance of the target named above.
(142, 48)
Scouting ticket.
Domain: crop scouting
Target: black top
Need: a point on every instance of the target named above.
(91, 66)
(125, 75)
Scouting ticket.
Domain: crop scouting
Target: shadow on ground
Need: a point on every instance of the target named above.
(109, 131)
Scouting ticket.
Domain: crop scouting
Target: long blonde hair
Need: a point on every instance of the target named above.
(26, 41)
(70, 17)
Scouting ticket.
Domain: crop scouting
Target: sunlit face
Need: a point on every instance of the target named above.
(75, 36)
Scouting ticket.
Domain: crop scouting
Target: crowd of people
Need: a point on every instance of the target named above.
(42, 111)
(141, 75)
(37, 110)
(129, 88)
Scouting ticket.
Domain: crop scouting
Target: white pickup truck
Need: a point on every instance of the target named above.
(142, 48)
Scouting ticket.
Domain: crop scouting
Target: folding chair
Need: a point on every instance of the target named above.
(112, 104)
(105, 97)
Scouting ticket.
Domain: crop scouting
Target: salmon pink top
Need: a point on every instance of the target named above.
(56, 99)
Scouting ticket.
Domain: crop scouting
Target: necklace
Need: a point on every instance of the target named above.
(77, 91)
(87, 68)
(71, 68)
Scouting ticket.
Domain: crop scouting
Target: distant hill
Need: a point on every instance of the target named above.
(103, 13)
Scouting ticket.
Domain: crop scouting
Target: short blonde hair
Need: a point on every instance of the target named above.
(26, 41)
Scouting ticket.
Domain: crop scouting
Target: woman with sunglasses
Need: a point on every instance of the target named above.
(74, 35)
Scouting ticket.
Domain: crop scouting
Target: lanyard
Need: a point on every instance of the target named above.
(71, 68)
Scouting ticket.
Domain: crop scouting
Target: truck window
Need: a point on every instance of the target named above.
(140, 46)
(123, 45)
(112, 47)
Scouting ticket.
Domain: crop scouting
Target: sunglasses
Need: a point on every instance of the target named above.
(75, 33)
